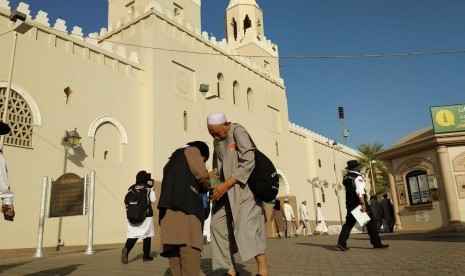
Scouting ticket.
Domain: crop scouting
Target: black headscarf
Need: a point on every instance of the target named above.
(277, 205)
(203, 148)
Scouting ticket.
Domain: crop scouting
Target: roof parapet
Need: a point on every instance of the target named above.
(60, 25)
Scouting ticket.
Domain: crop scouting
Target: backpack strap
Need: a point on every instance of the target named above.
(251, 140)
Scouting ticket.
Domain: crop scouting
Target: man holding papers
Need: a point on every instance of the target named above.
(356, 199)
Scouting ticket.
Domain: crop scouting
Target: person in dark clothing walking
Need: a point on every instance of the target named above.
(388, 211)
(143, 230)
(377, 211)
(355, 196)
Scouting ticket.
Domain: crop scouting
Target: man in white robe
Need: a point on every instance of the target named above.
(238, 221)
(303, 213)
(6, 195)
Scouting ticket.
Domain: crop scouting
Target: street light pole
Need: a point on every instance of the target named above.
(372, 178)
(203, 90)
(335, 146)
(19, 19)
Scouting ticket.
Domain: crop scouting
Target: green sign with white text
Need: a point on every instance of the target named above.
(449, 118)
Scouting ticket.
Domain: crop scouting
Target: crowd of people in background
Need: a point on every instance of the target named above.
(236, 218)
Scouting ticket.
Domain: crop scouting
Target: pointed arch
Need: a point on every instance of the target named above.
(236, 96)
(250, 100)
(234, 27)
(284, 187)
(219, 85)
(247, 23)
(107, 119)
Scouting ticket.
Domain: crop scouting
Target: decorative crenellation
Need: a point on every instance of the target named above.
(60, 25)
(318, 137)
(222, 45)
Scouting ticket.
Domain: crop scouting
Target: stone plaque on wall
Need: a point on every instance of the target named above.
(184, 81)
(67, 196)
(422, 216)
(401, 194)
(460, 180)
(459, 163)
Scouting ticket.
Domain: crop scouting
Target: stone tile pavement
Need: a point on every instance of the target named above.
(408, 254)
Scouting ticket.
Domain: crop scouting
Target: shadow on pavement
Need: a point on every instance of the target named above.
(66, 270)
(154, 254)
(427, 236)
(11, 266)
(206, 268)
(330, 247)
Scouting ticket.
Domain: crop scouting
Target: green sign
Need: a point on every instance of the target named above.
(449, 118)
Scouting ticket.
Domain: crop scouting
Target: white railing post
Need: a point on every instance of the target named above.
(43, 205)
(90, 214)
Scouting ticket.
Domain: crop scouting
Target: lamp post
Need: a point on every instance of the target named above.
(204, 89)
(315, 184)
(372, 178)
(336, 186)
(19, 27)
(73, 139)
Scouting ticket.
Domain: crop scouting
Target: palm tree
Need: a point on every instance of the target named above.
(379, 169)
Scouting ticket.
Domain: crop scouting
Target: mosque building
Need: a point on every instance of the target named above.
(133, 93)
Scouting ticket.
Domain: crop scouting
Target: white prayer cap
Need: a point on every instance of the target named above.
(216, 118)
(286, 200)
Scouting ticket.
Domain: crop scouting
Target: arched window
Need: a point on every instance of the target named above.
(109, 135)
(234, 27)
(247, 23)
(235, 92)
(250, 101)
(219, 84)
(107, 143)
(67, 97)
(323, 198)
(418, 188)
(184, 118)
(19, 118)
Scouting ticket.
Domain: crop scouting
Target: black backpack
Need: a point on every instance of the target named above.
(264, 179)
(136, 201)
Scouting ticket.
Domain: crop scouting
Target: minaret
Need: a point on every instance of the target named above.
(245, 34)
(243, 16)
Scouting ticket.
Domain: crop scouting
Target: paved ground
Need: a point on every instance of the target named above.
(408, 254)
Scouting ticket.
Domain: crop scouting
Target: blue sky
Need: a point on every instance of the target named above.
(384, 99)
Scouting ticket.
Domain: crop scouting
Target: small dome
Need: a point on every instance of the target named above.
(234, 3)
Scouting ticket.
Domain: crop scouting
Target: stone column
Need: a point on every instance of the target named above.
(394, 196)
(450, 194)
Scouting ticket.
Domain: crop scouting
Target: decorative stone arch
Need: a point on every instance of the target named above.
(36, 116)
(107, 119)
(287, 187)
(412, 164)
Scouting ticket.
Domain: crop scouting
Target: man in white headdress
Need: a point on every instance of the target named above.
(6, 194)
(238, 221)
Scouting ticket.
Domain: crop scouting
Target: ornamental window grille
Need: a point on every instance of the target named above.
(19, 118)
